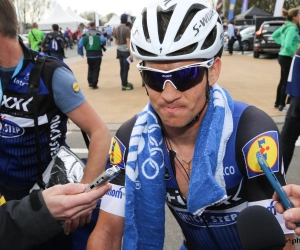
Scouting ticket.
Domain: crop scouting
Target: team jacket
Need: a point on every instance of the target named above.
(92, 44)
(246, 184)
(18, 159)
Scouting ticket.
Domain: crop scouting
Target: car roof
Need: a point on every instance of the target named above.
(274, 22)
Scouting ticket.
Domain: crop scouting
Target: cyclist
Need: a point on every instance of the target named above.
(192, 145)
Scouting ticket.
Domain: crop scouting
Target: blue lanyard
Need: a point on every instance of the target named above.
(17, 70)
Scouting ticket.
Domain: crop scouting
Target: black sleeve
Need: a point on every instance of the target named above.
(62, 42)
(256, 126)
(123, 134)
(45, 41)
(23, 228)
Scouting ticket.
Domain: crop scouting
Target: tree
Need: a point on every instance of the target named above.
(33, 10)
(89, 15)
(38, 8)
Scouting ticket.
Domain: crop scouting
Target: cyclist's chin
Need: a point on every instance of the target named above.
(175, 121)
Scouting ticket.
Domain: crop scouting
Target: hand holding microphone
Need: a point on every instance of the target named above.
(291, 216)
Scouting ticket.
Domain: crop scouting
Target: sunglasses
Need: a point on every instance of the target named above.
(182, 78)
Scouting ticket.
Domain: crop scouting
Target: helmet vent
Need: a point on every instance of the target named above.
(144, 52)
(193, 10)
(163, 20)
(132, 47)
(210, 39)
(187, 50)
(145, 26)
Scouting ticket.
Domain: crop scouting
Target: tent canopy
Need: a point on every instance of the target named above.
(114, 22)
(253, 11)
(76, 16)
(62, 18)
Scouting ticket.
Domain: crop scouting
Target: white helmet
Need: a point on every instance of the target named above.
(203, 36)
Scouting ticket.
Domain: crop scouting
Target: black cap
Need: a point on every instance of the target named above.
(124, 17)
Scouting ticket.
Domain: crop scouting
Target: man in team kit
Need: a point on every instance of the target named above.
(192, 146)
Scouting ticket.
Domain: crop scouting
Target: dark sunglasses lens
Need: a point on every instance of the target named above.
(153, 80)
(183, 79)
(187, 78)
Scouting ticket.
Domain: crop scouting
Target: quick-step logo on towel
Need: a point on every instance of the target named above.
(267, 144)
(117, 153)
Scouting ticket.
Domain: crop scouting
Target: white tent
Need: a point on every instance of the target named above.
(75, 15)
(60, 17)
(115, 21)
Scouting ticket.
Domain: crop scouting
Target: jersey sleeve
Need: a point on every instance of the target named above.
(258, 132)
(114, 200)
(66, 91)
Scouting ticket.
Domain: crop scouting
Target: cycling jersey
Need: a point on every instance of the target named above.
(246, 184)
(18, 159)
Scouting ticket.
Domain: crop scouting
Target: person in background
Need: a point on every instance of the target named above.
(93, 42)
(68, 37)
(35, 37)
(54, 43)
(122, 40)
(231, 36)
(27, 149)
(192, 147)
(108, 32)
(287, 37)
(38, 217)
(129, 25)
(291, 128)
(238, 37)
(245, 25)
(86, 29)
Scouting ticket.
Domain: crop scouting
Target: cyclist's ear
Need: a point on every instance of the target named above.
(214, 71)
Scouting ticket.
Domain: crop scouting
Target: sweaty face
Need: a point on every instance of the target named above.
(175, 108)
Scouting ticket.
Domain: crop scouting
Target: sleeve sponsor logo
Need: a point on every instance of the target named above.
(267, 144)
(2, 200)
(76, 87)
(117, 153)
(113, 201)
(116, 193)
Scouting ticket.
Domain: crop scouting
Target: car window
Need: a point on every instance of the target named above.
(25, 39)
(271, 27)
(248, 31)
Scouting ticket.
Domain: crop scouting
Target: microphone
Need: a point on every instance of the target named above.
(259, 229)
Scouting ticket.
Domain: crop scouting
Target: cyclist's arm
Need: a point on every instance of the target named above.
(108, 232)
(260, 126)
(107, 235)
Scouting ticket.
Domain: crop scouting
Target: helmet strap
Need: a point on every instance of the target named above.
(207, 101)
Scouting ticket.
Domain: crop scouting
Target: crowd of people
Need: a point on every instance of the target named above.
(54, 44)
(174, 152)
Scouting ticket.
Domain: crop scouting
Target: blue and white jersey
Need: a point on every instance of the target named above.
(246, 184)
(18, 152)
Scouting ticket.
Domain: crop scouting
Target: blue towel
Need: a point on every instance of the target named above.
(145, 171)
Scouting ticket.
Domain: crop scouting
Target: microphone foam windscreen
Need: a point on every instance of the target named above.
(259, 229)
